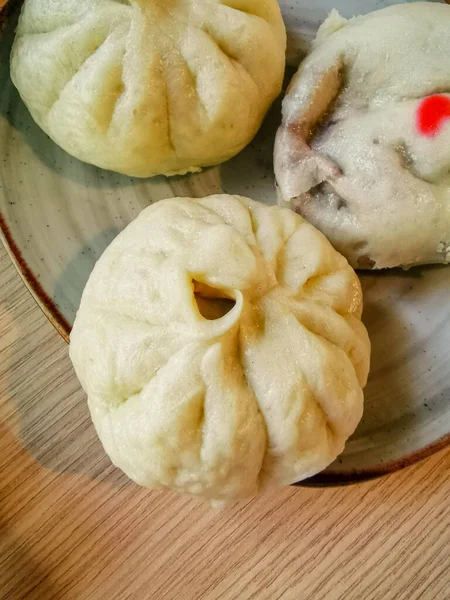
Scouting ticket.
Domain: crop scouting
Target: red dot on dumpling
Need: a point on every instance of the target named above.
(432, 113)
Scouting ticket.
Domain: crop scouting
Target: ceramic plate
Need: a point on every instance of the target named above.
(58, 215)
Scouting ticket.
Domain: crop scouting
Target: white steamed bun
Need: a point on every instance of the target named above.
(220, 345)
(149, 86)
(363, 152)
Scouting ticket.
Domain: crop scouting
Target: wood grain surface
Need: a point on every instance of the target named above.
(73, 527)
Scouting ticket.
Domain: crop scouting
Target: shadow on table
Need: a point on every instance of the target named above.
(49, 416)
(18, 570)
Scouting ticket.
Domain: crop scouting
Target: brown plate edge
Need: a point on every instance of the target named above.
(324, 479)
(336, 478)
(43, 300)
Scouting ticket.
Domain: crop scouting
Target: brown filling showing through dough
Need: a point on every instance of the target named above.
(212, 303)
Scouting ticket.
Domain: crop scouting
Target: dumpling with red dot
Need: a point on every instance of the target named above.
(363, 151)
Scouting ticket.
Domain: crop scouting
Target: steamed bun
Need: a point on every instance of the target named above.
(363, 152)
(220, 345)
(152, 86)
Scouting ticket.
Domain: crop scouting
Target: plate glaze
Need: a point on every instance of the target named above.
(57, 215)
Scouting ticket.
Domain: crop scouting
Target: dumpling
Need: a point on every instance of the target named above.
(363, 152)
(153, 86)
(221, 348)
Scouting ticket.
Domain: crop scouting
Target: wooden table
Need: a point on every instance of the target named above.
(73, 527)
